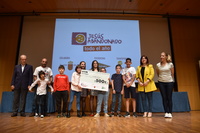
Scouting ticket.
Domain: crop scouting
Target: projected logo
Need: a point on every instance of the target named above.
(79, 38)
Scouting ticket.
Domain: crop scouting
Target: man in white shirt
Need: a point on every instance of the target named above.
(48, 76)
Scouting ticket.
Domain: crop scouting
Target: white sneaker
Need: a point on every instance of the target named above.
(36, 115)
(97, 115)
(166, 115)
(42, 116)
(106, 115)
(169, 115)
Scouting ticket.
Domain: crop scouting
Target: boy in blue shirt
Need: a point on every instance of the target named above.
(117, 90)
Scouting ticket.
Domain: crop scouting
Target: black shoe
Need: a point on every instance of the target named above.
(111, 114)
(79, 114)
(23, 115)
(119, 115)
(64, 115)
(127, 114)
(32, 114)
(134, 114)
(14, 114)
(83, 114)
(68, 114)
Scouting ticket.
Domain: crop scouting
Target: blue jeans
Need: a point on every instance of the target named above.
(102, 97)
(78, 96)
(166, 89)
(146, 96)
(119, 99)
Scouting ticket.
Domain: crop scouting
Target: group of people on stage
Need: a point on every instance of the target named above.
(122, 82)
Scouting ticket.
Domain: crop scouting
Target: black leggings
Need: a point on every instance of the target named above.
(40, 102)
(166, 89)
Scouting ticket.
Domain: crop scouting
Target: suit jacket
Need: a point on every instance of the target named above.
(148, 74)
(22, 79)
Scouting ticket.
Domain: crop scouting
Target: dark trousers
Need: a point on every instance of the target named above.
(166, 89)
(61, 97)
(146, 96)
(19, 100)
(35, 101)
(46, 103)
(40, 104)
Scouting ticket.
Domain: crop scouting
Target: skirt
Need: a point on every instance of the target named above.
(84, 92)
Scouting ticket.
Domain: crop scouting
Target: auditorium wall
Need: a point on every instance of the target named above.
(9, 39)
(186, 45)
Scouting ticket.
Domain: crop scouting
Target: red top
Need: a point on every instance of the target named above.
(61, 83)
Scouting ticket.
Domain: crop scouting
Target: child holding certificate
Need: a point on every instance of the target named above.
(102, 97)
(84, 92)
(75, 91)
(93, 93)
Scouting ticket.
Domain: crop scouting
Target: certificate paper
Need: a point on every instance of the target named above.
(94, 80)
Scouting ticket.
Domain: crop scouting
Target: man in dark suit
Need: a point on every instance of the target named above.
(21, 81)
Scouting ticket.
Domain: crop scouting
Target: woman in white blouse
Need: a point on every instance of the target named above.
(165, 72)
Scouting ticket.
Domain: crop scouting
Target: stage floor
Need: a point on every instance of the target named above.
(181, 122)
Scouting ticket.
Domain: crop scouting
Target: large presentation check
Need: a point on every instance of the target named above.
(94, 80)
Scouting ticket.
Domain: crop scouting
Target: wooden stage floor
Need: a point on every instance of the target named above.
(187, 122)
